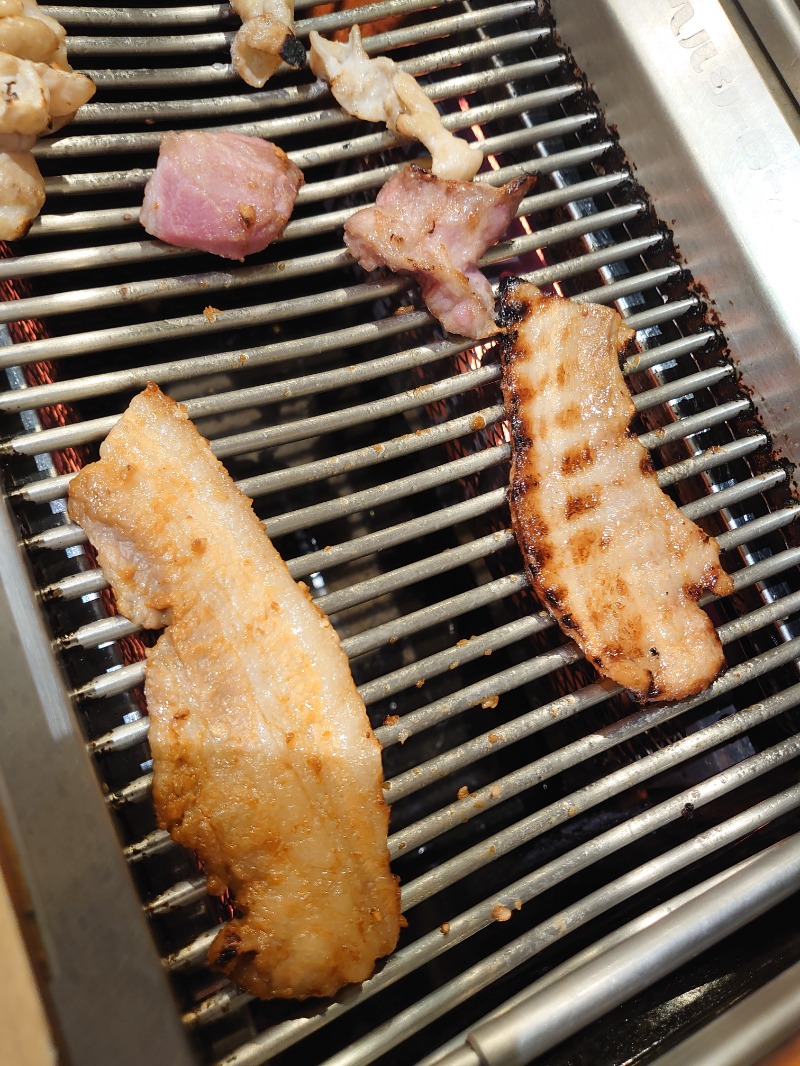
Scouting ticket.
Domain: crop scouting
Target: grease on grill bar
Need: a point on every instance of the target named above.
(530, 800)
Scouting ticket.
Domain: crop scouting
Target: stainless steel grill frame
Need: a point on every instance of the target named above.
(375, 449)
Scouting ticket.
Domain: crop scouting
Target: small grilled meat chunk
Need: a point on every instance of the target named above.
(219, 192)
(39, 93)
(436, 231)
(607, 551)
(264, 762)
(265, 40)
(377, 90)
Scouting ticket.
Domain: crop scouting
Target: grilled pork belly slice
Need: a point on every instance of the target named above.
(377, 90)
(219, 192)
(265, 40)
(264, 761)
(606, 550)
(436, 231)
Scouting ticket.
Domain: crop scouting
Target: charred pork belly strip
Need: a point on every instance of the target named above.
(436, 231)
(264, 761)
(377, 90)
(606, 550)
(219, 192)
(265, 40)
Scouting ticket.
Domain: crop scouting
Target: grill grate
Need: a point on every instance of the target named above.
(375, 450)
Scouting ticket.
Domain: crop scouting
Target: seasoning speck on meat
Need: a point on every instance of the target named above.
(264, 762)
(607, 551)
(436, 231)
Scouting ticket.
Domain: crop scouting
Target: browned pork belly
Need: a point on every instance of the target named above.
(264, 761)
(608, 552)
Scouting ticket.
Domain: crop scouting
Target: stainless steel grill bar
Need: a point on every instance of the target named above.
(255, 105)
(520, 780)
(471, 696)
(289, 351)
(780, 880)
(176, 44)
(433, 944)
(105, 19)
(181, 78)
(180, 370)
(193, 325)
(456, 1044)
(249, 106)
(128, 734)
(114, 181)
(78, 585)
(670, 350)
(501, 843)
(764, 1023)
(684, 427)
(317, 121)
(84, 222)
(69, 535)
(580, 998)
(177, 78)
(558, 870)
(83, 300)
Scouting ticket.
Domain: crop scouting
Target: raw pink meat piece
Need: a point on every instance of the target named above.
(219, 192)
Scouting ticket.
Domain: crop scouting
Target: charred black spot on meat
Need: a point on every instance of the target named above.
(512, 310)
(577, 459)
(292, 51)
(508, 341)
(646, 464)
(568, 622)
(553, 598)
(654, 690)
(580, 504)
(229, 947)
